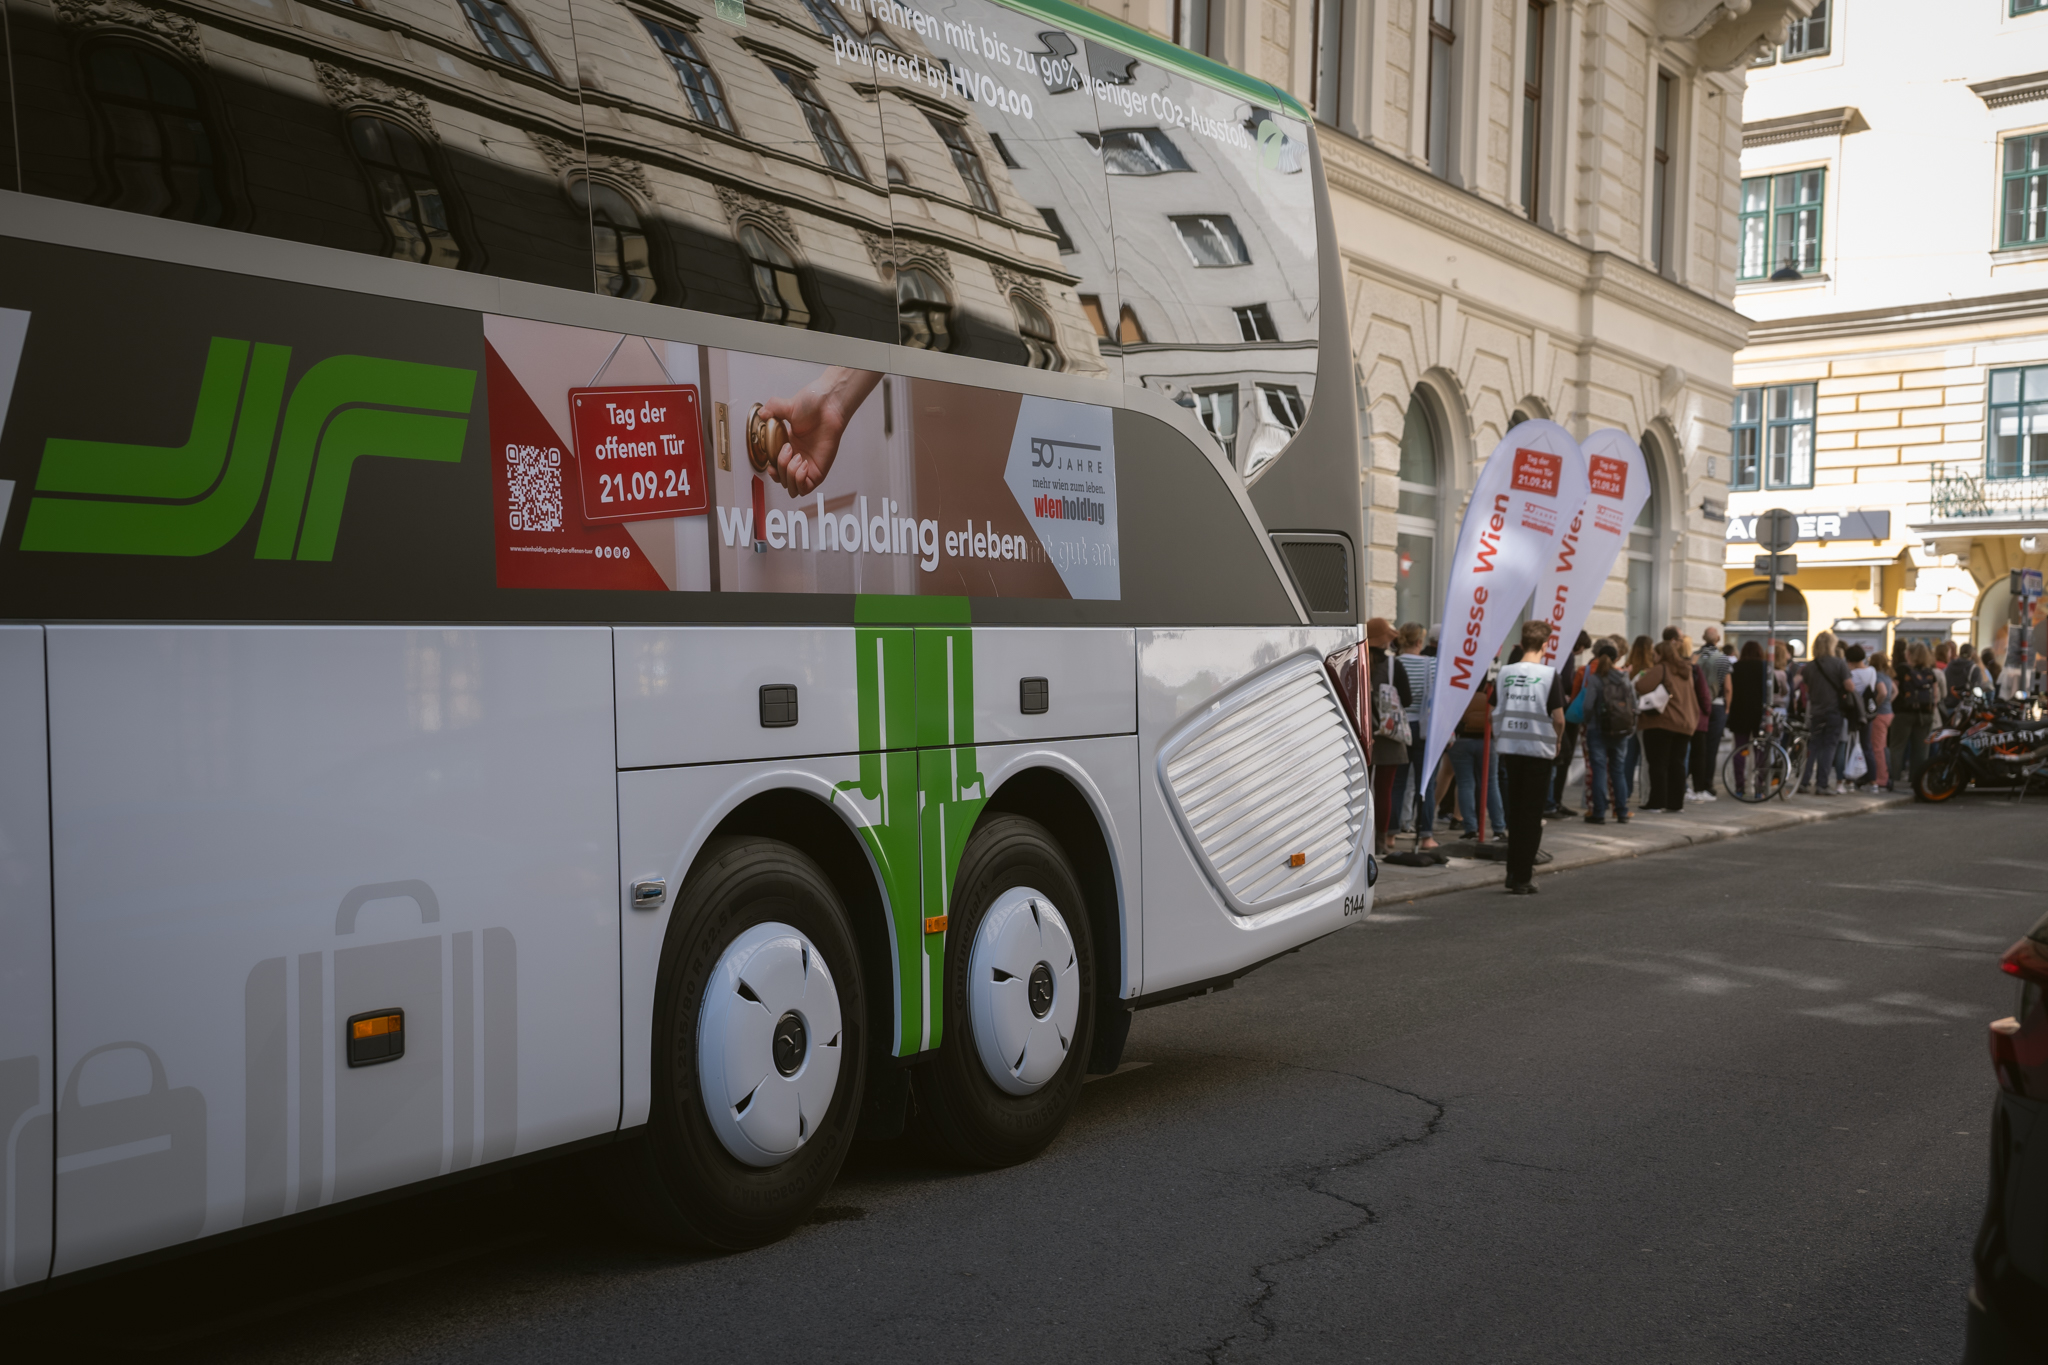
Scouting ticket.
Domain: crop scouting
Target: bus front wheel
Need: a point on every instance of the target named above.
(1019, 999)
(758, 1051)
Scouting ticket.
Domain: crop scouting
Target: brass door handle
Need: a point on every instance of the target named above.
(766, 436)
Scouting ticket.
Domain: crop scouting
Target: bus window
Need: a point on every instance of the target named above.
(288, 130)
(995, 187)
(1215, 248)
(754, 150)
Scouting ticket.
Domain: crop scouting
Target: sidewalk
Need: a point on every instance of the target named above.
(1574, 843)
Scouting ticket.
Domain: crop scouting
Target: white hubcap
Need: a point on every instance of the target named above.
(768, 1044)
(1025, 990)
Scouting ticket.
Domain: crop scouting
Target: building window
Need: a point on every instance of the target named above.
(2019, 424)
(1211, 239)
(1781, 224)
(404, 191)
(1255, 323)
(967, 161)
(1660, 181)
(158, 151)
(825, 130)
(1218, 410)
(1808, 37)
(2026, 190)
(1415, 517)
(924, 311)
(1325, 95)
(1442, 37)
(1091, 308)
(1532, 108)
(1745, 442)
(1009, 158)
(1128, 330)
(776, 282)
(503, 34)
(618, 242)
(830, 21)
(1639, 612)
(1192, 24)
(2020, 7)
(1136, 151)
(700, 82)
(1773, 427)
(1284, 406)
(894, 170)
(1059, 231)
(1041, 342)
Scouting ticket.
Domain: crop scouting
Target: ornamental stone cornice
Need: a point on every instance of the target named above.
(1797, 127)
(348, 89)
(564, 159)
(1388, 183)
(738, 205)
(179, 30)
(2012, 90)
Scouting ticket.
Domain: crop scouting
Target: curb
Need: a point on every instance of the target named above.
(1480, 874)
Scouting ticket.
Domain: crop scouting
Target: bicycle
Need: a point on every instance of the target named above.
(1768, 762)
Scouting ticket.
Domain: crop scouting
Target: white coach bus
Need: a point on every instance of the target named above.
(708, 577)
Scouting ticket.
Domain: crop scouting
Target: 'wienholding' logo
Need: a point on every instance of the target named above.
(105, 497)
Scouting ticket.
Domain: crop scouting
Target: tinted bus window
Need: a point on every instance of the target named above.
(456, 156)
(1215, 249)
(1002, 247)
(749, 155)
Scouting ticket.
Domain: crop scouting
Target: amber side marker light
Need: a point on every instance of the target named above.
(378, 1036)
(936, 924)
(1297, 859)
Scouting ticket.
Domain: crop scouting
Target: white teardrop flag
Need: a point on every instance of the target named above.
(1618, 484)
(1534, 480)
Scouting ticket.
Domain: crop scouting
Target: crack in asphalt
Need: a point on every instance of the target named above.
(1310, 1179)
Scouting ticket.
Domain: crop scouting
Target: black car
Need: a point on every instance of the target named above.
(2009, 1301)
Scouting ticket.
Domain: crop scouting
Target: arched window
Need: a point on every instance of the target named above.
(700, 83)
(618, 242)
(776, 282)
(924, 311)
(505, 35)
(1041, 343)
(1415, 516)
(404, 191)
(1641, 554)
(158, 153)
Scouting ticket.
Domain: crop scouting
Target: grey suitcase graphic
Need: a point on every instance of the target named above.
(388, 1124)
(131, 1172)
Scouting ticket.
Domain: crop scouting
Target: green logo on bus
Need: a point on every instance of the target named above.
(191, 499)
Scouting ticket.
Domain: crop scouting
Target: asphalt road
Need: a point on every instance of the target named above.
(1723, 1104)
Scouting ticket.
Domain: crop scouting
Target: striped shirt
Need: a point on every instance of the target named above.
(1421, 671)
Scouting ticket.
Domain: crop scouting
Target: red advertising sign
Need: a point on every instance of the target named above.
(1608, 477)
(1536, 471)
(639, 452)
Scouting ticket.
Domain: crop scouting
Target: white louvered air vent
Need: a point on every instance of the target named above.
(1267, 772)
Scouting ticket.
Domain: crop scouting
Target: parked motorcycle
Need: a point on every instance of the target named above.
(1991, 743)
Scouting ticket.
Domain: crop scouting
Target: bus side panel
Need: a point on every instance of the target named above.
(1190, 935)
(26, 1040)
(262, 832)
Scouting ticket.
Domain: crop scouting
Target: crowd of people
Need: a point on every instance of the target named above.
(1648, 718)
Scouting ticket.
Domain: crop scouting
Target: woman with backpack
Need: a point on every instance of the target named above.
(1667, 728)
(1913, 715)
(1610, 723)
(1828, 704)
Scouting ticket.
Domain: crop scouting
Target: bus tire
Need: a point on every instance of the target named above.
(1014, 1050)
(759, 974)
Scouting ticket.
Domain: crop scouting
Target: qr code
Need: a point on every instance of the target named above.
(535, 477)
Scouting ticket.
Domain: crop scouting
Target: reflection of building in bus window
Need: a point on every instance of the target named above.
(618, 243)
(1211, 239)
(1041, 343)
(1091, 308)
(830, 21)
(1136, 151)
(700, 82)
(1059, 230)
(1003, 150)
(1281, 412)
(825, 129)
(1255, 323)
(924, 310)
(405, 191)
(967, 161)
(776, 281)
(1218, 411)
(894, 169)
(504, 35)
(158, 149)
(1128, 332)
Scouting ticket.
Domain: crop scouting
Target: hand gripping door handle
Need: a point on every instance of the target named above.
(419, 893)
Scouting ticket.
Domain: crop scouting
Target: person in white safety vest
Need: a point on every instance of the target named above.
(1528, 716)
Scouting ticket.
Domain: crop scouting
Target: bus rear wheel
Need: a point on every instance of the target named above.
(758, 1051)
(1019, 1000)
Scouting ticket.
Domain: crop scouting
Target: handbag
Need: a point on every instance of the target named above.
(1392, 722)
(1857, 766)
(1576, 713)
(1656, 699)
